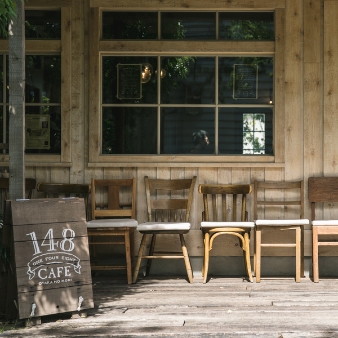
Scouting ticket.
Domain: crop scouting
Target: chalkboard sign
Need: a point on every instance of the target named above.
(129, 85)
(245, 82)
(51, 263)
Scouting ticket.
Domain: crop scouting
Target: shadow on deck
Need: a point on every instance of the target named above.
(230, 307)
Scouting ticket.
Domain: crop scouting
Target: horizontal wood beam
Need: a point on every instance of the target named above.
(47, 3)
(188, 4)
(189, 47)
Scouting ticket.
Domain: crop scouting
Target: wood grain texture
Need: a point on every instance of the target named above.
(169, 306)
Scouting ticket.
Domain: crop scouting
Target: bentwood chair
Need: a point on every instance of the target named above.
(323, 192)
(219, 221)
(168, 207)
(280, 206)
(113, 220)
(65, 190)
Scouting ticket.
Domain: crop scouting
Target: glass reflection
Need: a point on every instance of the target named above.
(246, 26)
(230, 78)
(187, 130)
(188, 80)
(54, 128)
(129, 130)
(42, 24)
(129, 25)
(43, 79)
(188, 25)
(109, 79)
(245, 131)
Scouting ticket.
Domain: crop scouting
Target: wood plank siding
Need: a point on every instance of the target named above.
(306, 105)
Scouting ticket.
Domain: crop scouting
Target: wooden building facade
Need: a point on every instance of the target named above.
(305, 102)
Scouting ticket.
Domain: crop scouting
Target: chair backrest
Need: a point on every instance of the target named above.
(64, 190)
(169, 200)
(277, 194)
(322, 189)
(30, 184)
(216, 195)
(113, 198)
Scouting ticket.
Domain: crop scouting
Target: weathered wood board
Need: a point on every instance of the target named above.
(50, 256)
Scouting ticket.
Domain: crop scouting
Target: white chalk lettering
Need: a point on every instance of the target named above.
(39, 273)
(67, 272)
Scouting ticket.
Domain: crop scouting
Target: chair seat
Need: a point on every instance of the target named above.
(227, 224)
(112, 223)
(282, 222)
(325, 223)
(165, 226)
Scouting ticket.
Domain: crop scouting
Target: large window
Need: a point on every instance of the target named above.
(187, 103)
(43, 87)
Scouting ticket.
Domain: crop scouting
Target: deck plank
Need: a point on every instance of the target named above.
(230, 307)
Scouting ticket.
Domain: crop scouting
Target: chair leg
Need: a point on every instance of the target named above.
(254, 254)
(258, 255)
(206, 256)
(302, 270)
(186, 259)
(151, 252)
(246, 251)
(203, 254)
(128, 256)
(298, 254)
(315, 268)
(139, 258)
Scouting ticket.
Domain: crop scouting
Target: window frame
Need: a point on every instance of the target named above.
(52, 47)
(210, 48)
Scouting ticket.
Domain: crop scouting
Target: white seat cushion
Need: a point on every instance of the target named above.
(112, 223)
(321, 222)
(282, 222)
(227, 224)
(151, 226)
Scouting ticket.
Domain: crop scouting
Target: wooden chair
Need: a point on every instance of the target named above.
(280, 200)
(112, 218)
(30, 184)
(65, 190)
(215, 223)
(168, 213)
(322, 190)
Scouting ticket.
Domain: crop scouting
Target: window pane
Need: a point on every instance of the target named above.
(1, 126)
(128, 130)
(247, 80)
(1, 78)
(246, 26)
(253, 133)
(129, 25)
(43, 79)
(43, 24)
(188, 26)
(37, 136)
(188, 80)
(187, 130)
(245, 131)
(109, 79)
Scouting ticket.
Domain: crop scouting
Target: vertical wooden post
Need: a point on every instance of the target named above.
(17, 103)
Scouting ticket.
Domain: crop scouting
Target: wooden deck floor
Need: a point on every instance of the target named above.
(224, 307)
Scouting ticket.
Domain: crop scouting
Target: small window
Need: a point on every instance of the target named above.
(43, 24)
(246, 26)
(188, 26)
(129, 25)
